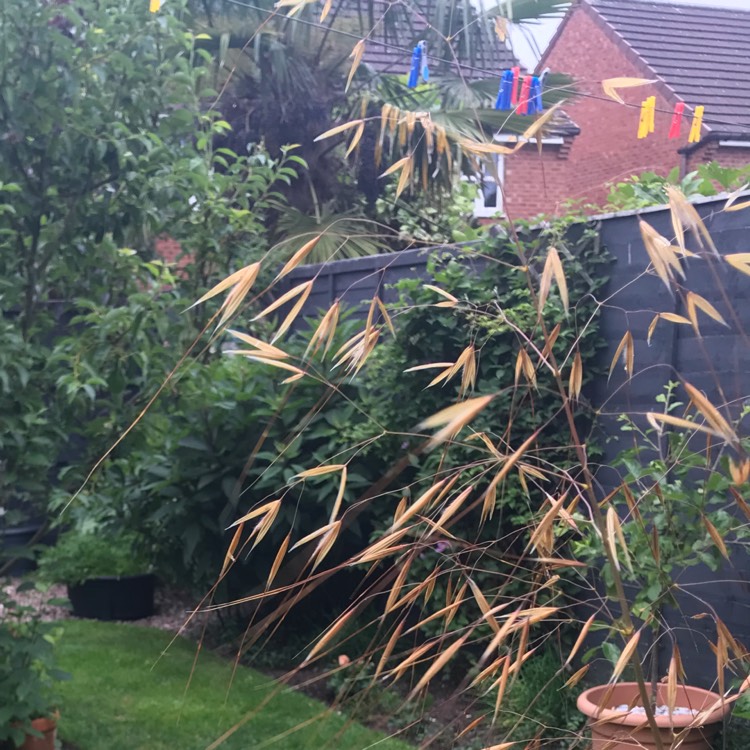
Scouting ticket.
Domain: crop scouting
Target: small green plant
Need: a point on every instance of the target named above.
(671, 512)
(78, 557)
(538, 705)
(27, 670)
(650, 188)
(737, 728)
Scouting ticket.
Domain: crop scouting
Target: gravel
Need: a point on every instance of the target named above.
(658, 711)
(171, 607)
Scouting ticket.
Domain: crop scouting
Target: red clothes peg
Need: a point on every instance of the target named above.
(514, 92)
(674, 130)
(523, 101)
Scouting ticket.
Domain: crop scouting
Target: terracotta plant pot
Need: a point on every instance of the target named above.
(48, 728)
(610, 730)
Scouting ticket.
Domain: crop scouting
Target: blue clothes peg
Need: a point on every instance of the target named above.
(425, 66)
(535, 97)
(418, 65)
(505, 91)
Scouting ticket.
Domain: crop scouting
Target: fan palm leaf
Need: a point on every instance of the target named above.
(343, 235)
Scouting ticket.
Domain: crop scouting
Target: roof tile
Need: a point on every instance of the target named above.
(395, 28)
(699, 52)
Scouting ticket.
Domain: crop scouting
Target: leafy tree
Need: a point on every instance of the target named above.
(104, 146)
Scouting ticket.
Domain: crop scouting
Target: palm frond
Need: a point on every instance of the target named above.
(341, 236)
(528, 11)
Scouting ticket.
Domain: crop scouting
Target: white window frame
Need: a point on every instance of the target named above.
(481, 209)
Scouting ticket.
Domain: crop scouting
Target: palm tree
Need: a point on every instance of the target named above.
(284, 74)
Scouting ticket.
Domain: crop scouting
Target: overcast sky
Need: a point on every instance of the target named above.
(544, 30)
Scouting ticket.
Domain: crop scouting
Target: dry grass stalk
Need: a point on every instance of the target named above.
(626, 348)
(301, 254)
(610, 86)
(685, 216)
(553, 269)
(325, 331)
(339, 129)
(576, 376)
(695, 302)
(662, 255)
(280, 555)
(245, 276)
(627, 652)
(450, 300)
(388, 650)
(454, 418)
(526, 366)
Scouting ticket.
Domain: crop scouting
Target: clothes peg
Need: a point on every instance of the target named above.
(419, 65)
(514, 91)
(643, 121)
(695, 129)
(647, 123)
(676, 126)
(651, 114)
(154, 5)
(505, 91)
(425, 66)
(523, 100)
(535, 96)
(416, 65)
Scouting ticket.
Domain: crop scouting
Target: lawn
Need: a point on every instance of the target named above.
(120, 699)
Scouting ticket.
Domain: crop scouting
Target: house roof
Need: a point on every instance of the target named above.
(395, 27)
(700, 53)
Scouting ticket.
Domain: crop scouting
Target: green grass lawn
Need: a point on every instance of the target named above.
(118, 700)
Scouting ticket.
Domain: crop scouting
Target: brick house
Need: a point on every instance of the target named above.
(694, 54)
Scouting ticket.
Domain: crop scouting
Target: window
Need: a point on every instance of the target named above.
(489, 201)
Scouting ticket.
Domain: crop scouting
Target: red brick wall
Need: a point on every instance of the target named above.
(167, 249)
(607, 148)
(727, 156)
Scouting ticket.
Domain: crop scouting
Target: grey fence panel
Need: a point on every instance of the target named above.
(716, 364)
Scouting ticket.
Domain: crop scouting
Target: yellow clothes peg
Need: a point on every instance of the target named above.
(647, 122)
(651, 114)
(154, 5)
(695, 128)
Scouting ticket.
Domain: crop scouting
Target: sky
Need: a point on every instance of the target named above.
(543, 31)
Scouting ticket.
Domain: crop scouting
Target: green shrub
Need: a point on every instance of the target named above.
(226, 438)
(650, 189)
(101, 159)
(223, 439)
(500, 313)
(78, 557)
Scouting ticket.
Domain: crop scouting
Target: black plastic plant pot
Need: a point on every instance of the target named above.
(113, 598)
